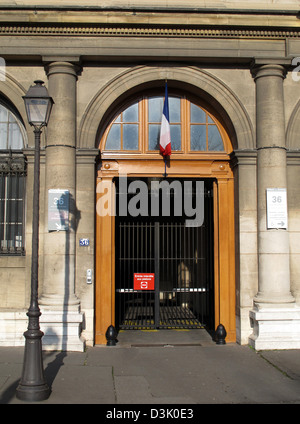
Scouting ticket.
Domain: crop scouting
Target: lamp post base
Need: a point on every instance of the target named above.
(33, 386)
(34, 393)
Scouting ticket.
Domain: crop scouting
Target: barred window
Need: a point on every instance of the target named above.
(12, 183)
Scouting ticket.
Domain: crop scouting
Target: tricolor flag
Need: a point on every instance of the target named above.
(165, 134)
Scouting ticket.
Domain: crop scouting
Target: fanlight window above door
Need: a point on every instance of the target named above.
(136, 129)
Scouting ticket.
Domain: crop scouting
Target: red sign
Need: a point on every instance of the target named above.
(143, 281)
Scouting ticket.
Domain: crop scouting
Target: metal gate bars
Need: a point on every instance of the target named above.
(164, 269)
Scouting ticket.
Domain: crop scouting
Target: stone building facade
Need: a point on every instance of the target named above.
(240, 60)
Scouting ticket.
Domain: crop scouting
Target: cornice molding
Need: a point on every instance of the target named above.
(243, 157)
(293, 157)
(137, 6)
(144, 31)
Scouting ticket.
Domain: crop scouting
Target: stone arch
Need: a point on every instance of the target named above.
(293, 129)
(198, 82)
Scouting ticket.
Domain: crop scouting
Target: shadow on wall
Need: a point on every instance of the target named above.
(63, 215)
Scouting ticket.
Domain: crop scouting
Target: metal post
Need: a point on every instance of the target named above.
(157, 276)
(33, 386)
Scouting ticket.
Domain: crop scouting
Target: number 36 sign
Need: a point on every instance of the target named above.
(276, 208)
(58, 210)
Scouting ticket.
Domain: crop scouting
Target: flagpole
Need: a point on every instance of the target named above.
(165, 136)
(165, 157)
(165, 174)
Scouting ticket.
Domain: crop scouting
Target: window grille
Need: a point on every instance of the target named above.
(12, 194)
(12, 182)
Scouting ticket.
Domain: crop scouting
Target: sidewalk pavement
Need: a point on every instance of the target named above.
(166, 367)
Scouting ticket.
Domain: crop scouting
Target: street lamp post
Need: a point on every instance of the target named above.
(32, 386)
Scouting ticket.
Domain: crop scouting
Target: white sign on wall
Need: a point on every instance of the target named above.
(58, 210)
(276, 208)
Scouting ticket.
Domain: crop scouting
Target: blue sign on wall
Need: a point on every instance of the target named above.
(84, 242)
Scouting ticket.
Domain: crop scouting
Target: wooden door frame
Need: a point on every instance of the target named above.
(224, 246)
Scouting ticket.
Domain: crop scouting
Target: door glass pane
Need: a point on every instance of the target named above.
(113, 141)
(174, 109)
(198, 116)
(215, 142)
(154, 135)
(198, 137)
(155, 109)
(175, 137)
(131, 114)
(130, 137)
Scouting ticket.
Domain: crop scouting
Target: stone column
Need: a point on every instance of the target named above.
(61, 317)
(243, 163)
(275, 318)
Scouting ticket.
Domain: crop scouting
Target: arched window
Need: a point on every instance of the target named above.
(136, 129)
(11, 130)
(12, 182)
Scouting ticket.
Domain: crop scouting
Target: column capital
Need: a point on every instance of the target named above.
(268, 70)
(62, 67)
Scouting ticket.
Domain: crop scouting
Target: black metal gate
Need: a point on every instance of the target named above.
(179, 256)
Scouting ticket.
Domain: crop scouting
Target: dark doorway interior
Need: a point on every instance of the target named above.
(180, 257)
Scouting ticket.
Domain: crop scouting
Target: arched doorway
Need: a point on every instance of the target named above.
(200, 154)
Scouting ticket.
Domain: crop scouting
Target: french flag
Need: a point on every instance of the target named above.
(165, 133)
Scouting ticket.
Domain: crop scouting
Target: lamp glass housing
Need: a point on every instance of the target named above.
(38, 105)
